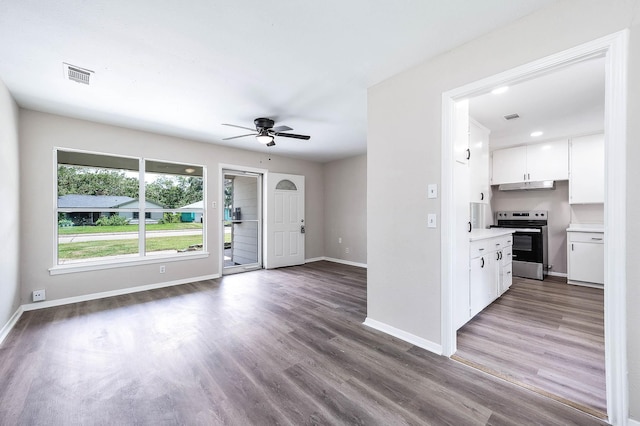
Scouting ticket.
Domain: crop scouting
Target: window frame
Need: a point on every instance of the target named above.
(143, 258)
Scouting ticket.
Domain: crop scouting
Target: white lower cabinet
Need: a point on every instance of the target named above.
(482, 282)
(585, 257)
(506, 267)
(489, 272)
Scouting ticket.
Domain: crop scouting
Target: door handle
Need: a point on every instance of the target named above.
(302, 230)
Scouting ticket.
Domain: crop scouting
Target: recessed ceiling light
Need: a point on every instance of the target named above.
(536, 134)
(189, 170)
(500, 90)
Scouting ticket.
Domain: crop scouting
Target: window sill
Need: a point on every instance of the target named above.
(119, 263)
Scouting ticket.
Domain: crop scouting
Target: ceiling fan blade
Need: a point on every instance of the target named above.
(293, 135)
(241, 136)
(281, 128)
(239, 127)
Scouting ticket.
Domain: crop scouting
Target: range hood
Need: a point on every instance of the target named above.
(527, 186)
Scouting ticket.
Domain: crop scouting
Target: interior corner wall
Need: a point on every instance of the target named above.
(40, 133)
(10, 196)
(403, 284)
(345, 209)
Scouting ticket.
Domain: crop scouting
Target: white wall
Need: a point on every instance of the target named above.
(10, 196)
(404, 286)
(345, 209)
(40, 133)
(556, 202)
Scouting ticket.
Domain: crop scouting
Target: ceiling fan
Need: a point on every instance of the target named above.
(265, 132)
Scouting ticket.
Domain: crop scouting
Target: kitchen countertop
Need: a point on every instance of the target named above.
(481, 234)
(585, 227)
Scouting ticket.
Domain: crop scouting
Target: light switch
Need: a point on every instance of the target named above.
(431, 220)
(432, 190)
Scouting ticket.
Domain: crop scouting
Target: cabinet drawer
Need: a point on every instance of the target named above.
(506, 241)
(480, 248)
(507, 255)
(586, 237)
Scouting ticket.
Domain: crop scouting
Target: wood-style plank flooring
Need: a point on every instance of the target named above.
(545, 335)
(284, 346)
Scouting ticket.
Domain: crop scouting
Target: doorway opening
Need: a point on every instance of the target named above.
(241, 221)
(613, 49)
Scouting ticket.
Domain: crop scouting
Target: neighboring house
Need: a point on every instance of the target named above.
(197, 216)
(100, 205)
(151, 217)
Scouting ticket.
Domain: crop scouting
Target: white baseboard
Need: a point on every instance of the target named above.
(631, 422)
(557, 274)
(4, 332)
(403, 335)
(333, 259)
(104, 294)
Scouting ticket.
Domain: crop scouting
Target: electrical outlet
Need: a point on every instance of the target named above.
(38, 295)
(339, 240)
(162, 269)
(347, 250)
(431, 220)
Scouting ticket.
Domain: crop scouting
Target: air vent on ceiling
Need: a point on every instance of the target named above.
(77, 74)
(511, 116)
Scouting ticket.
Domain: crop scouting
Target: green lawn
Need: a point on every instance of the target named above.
(90, 249)
(68, 230)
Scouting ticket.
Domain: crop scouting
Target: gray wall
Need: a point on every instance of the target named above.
(404, 285)
(10, 196)
(345, 209)
(40, 133)
(556, 202)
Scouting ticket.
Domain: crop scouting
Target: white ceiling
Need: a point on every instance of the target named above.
(183, 68)
(563, 103)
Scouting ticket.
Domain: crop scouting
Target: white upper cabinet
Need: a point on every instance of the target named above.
(479, 162)
(509, 165)
(541, 161)
(461, 133)
(548, 161)
(586, 182)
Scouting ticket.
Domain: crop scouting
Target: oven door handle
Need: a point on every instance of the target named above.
(513, 256)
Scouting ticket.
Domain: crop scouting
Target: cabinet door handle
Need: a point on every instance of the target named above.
(469, 223)
(596, 239)
(528, 176)
(482, 258)
(524, 176)
(481, 196)
(468, 154)
(500, 255)
(571, 246)
(497, 255)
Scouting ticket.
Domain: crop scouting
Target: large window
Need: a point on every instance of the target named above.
(101, 198)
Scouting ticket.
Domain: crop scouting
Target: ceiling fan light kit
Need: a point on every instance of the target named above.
(264, 137)
(265, 133)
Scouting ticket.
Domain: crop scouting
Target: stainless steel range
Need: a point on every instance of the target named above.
(529, 241)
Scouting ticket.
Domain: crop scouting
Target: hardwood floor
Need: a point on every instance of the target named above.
(545, 335)
(284, 346)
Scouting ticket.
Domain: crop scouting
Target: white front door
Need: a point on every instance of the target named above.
(285, 220)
